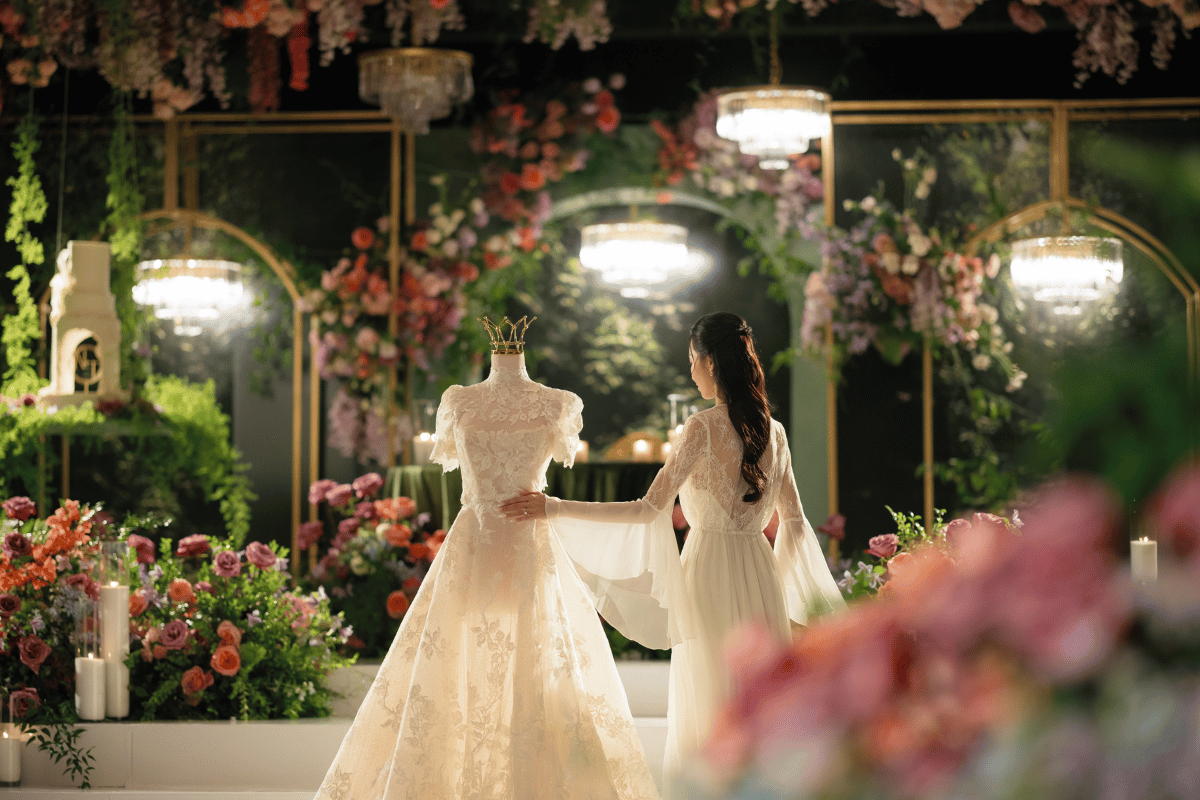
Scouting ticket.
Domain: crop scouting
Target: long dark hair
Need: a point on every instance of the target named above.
(728, 340)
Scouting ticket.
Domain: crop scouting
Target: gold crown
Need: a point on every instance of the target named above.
(508, 338)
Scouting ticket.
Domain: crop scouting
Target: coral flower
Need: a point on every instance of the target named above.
(397, 604)
(532, 178)
(608, 119)
(180, 591)
(362, 238)
(226, 661)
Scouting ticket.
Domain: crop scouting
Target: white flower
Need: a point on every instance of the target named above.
(592, 85)
(990, 314)
(919, 243)
(450, 248)
(847, 204)
(909, 164)
(910, 265)
(433, 235)
(1007, 348)
(477, 205)
(891, 262)
(868, 204)
(981, 361)
(930, 175)
(435, 210)
(616, 81)
(896, 154)
(1016, 381)
(436, 180)
(922, 191)
(749, 182)
(726, 187)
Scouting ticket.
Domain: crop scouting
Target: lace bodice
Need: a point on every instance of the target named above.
(503, 433)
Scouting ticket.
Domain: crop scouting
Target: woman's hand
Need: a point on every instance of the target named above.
(526, 505)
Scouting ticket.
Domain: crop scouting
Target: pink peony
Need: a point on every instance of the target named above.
(33, 651)
(194, 545)
(174, 635)
(884, 546)
(348, 527)
(366, 511)
(318, 490)
(227, 563)
(310, 534)
(19, 508)
(367, 485)
(143, 547)
(340, 494)
(260, 555)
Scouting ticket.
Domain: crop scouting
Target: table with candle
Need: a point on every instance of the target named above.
(1143, 560)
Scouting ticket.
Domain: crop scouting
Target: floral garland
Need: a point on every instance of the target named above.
(1103, 28)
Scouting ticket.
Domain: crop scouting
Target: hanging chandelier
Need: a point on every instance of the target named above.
(191, 291)
(773, 122)
(414, 85)
(1067, 271)
(635, 255)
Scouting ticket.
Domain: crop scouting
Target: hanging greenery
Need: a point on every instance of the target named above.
(28, 206)
(124, 203)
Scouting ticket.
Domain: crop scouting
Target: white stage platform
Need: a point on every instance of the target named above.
(265, 760)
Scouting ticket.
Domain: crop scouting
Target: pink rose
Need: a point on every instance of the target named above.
(318, 490)
(884, 546)
(83, 583)
(204, 586)
(1025, 17)
(366, 511)
(260, 555)
(19, 508)
(9, 604)
(194, 545)
(367, 339)
(834, 527)
(310, 534)
(33, 651)
(339, 494)
(174, 635)
(138, 603)
(143, 547)
(22, 701)
(16, 545)
(348, 527)
(1174, 512)
(367, 485)
(227, 563)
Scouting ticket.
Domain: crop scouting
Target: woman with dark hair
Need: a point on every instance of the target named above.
(731, 469)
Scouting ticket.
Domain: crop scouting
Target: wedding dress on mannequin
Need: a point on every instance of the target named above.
(731, 575)
(500, 683)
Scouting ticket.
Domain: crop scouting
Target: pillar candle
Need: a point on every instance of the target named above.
(90, 687)
(10, 756)
(1143, 560)
(114, 646)
(422, 448)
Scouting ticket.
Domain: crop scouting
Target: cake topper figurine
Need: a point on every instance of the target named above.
(508, 337)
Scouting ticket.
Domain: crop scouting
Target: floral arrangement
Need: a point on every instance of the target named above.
(219, 633)
(1004, 666)
(1104, 29)
(376, 553)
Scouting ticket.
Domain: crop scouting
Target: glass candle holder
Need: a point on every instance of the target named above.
(11, 744)
(114, 625)
(90, 669)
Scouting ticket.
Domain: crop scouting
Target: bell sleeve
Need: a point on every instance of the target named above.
(808, 585)
(570, 423)
(626, 554)
(445, 449)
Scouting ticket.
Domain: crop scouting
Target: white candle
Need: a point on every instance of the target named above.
(581, 451)
(1143, 560)
(422, 448)
(10, 756)
(89, 687)
(641, 450)
(114, 646)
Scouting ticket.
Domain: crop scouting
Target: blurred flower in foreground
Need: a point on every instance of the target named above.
(1007, 665)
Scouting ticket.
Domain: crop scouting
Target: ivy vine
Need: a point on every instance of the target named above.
(28, 206)
(124, 203)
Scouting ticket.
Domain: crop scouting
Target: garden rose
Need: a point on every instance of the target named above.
(22, 701)
(17, 545)
(411, 584)
(195, 681)
(397, 604)
(226, 661)
(319, 489)
(138, 603)
(362, 238)
(366, 511)
(260, 555)
(884, 546)
(339, 494)
(230, 634)
(180, 591)
(434, 543)
(174, 635)
(397, 535)
(347, 528)
(83, 583)
(310, 534)
(33, 651)
(227, 563)
(194, 545)
(19, 508)
(395, 508)
(143, 547)
(204, 586)
(367, 485)
(9, 604)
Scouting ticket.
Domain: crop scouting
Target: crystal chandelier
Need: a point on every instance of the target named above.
(414, 85)
(1066, 271)
(191, 291)
(635, 255)
(773, 122)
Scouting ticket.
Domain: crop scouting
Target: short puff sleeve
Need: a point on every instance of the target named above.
(570, 423)
(445, 448)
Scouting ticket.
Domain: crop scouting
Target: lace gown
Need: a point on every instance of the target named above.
(500, 684)
(730, 575)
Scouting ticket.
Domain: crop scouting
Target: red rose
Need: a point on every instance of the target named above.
(310, 533)
(510, 183)
(608, 119)
(33, 651)
(412, 584)
(398, 535)
(532, 178)
(9, 605)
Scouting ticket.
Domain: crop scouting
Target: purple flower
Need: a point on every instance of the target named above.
(17, 545)
(9, 605)
(227, 564)
(367, 485)
(19, 508)
(318, 490)
(340, 494)
(422, 519)
(253, 618)
(174, 635)
(281, 564)
(260, 555)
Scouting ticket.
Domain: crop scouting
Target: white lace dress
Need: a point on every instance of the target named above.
(500, 684)
(730, 574)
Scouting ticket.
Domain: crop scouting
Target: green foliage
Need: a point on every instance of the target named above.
(28, 206)
(124, 203)
(57, 732)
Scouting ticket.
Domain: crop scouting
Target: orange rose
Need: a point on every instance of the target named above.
(419, 551)
(398, 535)
(412, 584)
(195, 681)
(394, 509)
(226, 661)
(608, 119)
(158, 651)
(397, 604)
(362, 238)
(230, 634)
(180, 591)
(137, 603)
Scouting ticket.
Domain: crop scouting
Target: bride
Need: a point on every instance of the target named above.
(731, 469)
(500, 684)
